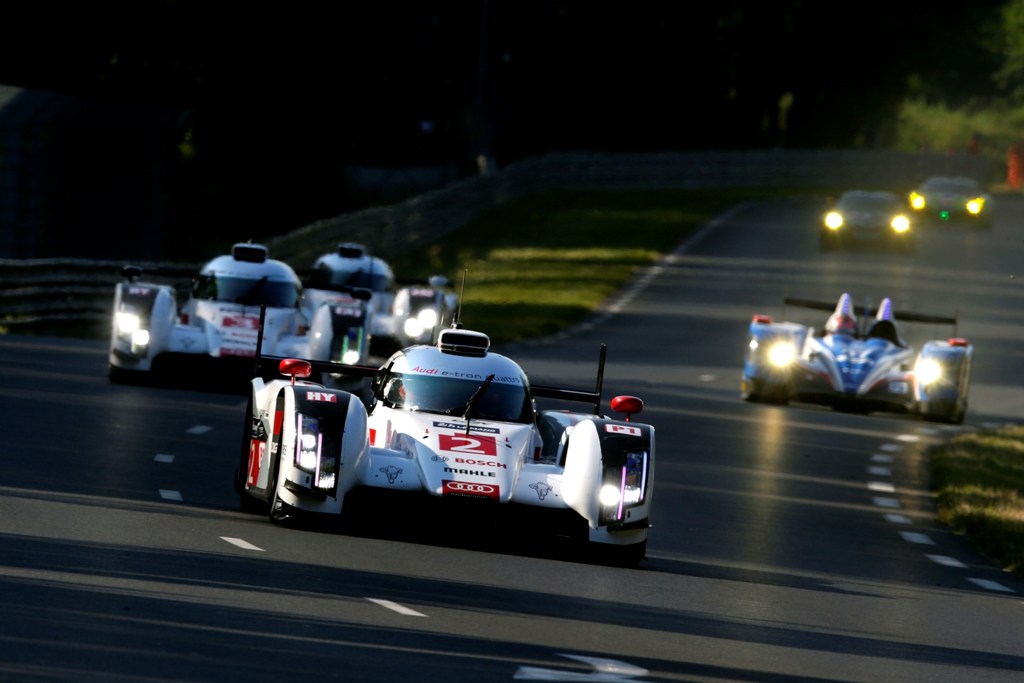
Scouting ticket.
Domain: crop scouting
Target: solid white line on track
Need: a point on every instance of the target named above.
(163, 457)
(395, 607)
(244, 545)
(168, 494)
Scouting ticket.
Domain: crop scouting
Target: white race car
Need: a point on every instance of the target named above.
(350, 268)
(220, 319)
(450, 422)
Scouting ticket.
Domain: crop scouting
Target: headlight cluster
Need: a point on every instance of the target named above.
(425, 320)
(624, 486)
(917, 201)
(309, 454)
(351, 347)
(975, 206)
(928, 371)
(781, 354)
(129, 328)
(900, 223)
(833, 220)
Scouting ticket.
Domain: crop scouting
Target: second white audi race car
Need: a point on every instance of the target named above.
(454, 423)
(219, 319)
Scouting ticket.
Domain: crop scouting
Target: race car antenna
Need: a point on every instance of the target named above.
(457, 323)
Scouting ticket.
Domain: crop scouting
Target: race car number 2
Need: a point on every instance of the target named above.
(462, 443)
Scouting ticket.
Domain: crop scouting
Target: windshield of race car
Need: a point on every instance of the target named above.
(328, 278)
(449, 396)
(247, 291)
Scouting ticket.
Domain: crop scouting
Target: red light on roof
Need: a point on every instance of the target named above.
(761, 318)
(628, 405)
(957, 341)
(294, 367)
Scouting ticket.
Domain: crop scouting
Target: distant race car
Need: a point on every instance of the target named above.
(218, 321)
(421, 311)
(857, 369)
(456, 424)
(868, 218)
(956, 199)
(348, 268)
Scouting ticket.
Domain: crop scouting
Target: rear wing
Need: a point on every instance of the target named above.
(592, 397)
(263, 364)
(870, 312)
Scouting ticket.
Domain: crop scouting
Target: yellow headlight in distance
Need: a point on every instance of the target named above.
(975, 206)
(928, 371)
(900, 223)
(917, 201)
(781, 354)
(833, 220)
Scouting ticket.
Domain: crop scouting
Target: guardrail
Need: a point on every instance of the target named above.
(73, 296)
(70, 296)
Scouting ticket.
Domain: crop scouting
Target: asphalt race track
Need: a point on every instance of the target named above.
(791, 544)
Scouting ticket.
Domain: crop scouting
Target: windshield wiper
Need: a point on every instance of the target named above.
(476, 396)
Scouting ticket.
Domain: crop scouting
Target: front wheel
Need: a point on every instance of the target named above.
(626, 556)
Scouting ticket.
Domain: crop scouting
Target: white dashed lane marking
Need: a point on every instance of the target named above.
(908, 438)
(198, 429)
(915, 537)
(244, 545)
(880, 471)
(897, 519)
(991, 585)
(882, 502)
(881, 487)
(169, 494)
(163, 457)
(947, 561)
(881, 457)
(890, 447)
(395, 607)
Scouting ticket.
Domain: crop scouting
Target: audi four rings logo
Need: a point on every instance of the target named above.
(466, 487)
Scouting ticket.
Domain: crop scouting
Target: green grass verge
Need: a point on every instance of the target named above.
(544, 263)
(978, 480)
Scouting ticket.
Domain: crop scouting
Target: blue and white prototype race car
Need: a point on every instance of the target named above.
(857, 368)
(456, 424)
(220, 320)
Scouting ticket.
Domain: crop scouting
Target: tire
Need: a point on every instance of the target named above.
(119, 375)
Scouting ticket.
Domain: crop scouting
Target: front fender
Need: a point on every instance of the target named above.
(615, 457)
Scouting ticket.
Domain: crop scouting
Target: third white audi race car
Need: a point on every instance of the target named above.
(452, 422)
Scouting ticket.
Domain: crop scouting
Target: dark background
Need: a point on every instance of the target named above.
(160, 128)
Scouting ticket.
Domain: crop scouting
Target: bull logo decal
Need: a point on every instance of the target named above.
(391, 472)
(541, 488)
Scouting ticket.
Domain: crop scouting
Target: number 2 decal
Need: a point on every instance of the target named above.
(462, 443)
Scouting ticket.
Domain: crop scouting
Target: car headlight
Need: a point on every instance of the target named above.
(928, 371)
(129, 326)
(350, 357)
(127, 322)
(413, 327)
(975, 206)
(427, 318)
(624, 486)
(310, 455)
(781, 354)
(833, 220)
(917, 201)
(900, 223)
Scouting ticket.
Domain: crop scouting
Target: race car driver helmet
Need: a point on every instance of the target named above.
(841, 323)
